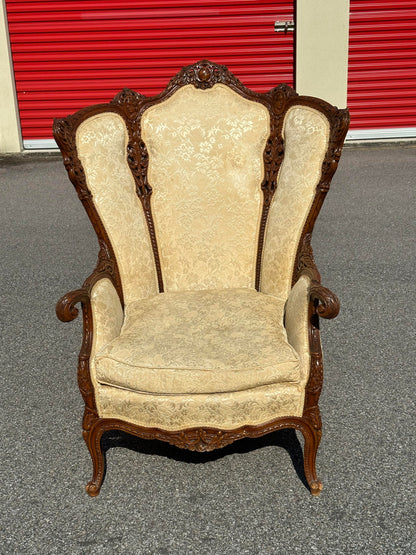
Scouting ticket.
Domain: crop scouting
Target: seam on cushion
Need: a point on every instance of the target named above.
(158, 394)
(194, 292)
(99, 359)
(299, 388)
(170, 294)
(144, 392)
(273, 297)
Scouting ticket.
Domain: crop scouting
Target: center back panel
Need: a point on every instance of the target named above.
(205, 168)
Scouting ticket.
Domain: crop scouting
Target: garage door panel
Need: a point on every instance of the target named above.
(382, 67)
(71, 54)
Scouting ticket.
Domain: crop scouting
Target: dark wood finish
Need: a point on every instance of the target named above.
(202, 440)
(130, 106)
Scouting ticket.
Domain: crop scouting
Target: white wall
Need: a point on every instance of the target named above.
(10, 135)
(322, 28)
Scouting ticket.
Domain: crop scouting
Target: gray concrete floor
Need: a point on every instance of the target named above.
(249, 498)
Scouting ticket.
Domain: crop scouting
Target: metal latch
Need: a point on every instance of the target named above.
(284, 26)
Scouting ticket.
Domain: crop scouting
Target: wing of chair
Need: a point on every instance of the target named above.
(201, 316)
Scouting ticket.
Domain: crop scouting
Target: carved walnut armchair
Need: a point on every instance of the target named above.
(201, 318)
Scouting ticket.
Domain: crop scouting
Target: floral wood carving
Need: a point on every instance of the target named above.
(305, 262)
(130, 102)
(197, 439)
(203, 75)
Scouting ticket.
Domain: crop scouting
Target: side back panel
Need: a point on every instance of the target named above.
(101, 142)
(306, 135)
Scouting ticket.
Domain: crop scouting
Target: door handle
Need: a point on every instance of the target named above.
(284, 26)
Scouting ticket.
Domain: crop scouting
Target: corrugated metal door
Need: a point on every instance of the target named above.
(382, 69)
(69, 54)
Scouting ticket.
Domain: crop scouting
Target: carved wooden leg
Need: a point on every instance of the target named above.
(93, 440)
(312, 440)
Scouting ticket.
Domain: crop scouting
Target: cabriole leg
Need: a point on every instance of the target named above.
(93, 441)
(312, 439)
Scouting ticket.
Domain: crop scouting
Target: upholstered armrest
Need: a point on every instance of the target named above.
(103, 313)
(65, 307)
(307, 290)
(296, 316)
(107, 314)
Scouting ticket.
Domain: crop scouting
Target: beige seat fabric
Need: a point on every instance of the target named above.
(226, 411)
(209, 341)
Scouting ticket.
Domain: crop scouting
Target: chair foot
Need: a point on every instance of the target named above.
(316, 487)
(93, 488)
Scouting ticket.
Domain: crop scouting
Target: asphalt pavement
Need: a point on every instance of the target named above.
(249, 498)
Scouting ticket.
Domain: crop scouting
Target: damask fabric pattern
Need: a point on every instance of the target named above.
(296, 323)
(101, 145)
(306, 133)
(107, 319)
(225, 411)
(206, 167)
(200, 342)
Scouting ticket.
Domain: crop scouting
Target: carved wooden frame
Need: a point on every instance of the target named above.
(130, 106)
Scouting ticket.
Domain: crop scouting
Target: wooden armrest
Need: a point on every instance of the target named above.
(326, 303)
(65, 307)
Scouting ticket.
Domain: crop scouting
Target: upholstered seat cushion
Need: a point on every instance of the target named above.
(209, 341)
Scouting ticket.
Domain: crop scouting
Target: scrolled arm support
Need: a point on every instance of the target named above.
(65, 307)
(326, 303)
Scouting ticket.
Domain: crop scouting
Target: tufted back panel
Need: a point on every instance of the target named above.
(205, 168)
(101, 145)
(306, 134)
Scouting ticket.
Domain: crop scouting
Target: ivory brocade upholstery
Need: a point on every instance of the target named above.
(101, 146)
(227, 410)
(206, 167)
(306, 133)
(210, 350)
(208, 341)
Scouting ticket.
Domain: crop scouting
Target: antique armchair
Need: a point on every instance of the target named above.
(201, 318)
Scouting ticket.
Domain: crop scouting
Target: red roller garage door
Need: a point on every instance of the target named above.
(69, 54)
(382, 69)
